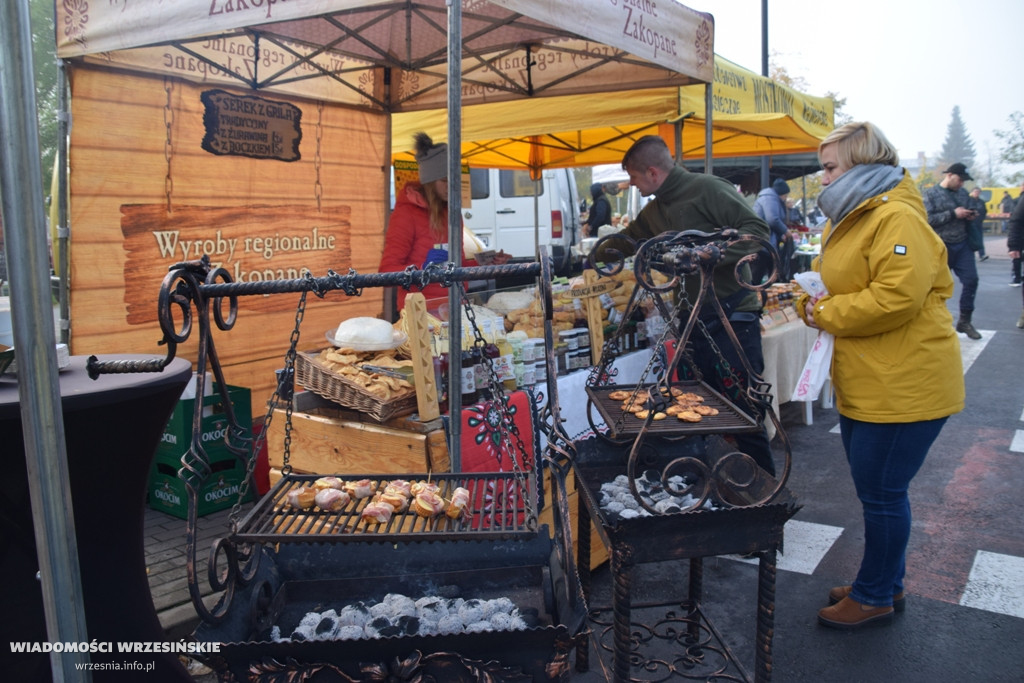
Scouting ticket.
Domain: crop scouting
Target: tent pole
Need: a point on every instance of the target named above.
(32, 308)
(63, 229)
(765, 173)
(455, 229)
(708, 123)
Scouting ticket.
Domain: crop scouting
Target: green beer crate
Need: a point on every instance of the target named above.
(167, 492)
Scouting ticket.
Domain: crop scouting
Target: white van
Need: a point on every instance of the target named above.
(512, 213)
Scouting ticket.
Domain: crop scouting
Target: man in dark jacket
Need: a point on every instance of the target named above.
(1015, 239)
(977, 227)
(770, 206)
(698, 201)
(946, 204)
(600, 212)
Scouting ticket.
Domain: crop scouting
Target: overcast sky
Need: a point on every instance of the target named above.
(901, 64)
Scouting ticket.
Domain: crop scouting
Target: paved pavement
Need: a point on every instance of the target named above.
(965, 581)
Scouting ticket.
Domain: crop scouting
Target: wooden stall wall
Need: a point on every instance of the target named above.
(265, 187)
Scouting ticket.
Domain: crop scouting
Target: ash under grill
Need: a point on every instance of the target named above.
(497, 509)
(729, 420)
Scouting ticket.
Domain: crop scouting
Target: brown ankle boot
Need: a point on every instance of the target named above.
(899, 601)
(848, 614)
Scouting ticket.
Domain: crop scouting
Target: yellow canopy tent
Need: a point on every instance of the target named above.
(753, 116)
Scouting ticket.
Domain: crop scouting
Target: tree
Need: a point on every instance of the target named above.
(958, 145)
(44, 64)
(1013, 144)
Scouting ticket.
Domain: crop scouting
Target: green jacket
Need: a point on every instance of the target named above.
(897, 356)
(698, 201)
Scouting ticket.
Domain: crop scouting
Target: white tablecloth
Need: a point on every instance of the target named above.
(785, 349)
(572, 392)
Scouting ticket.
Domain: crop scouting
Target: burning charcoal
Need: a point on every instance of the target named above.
(400, 605)
(479, 627)
(326, 627)
(431, 608)
(380, 609)
(275, 634)
(629, 514)
(408, 625)
(376, 628)
(502, 621)
(298, 636)
(454, 604)
(309, 621)
(354, 615)
(350, 633)
(614, 507)
(503, 605)
(470, 612)
(668, 505)
(449, 624)
(652, 477)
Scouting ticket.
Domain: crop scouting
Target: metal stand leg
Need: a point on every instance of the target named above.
(622, 576)
(765, 617)
(696, 592)
(583, 570)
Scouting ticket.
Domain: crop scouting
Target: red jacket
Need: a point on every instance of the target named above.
(409, 238)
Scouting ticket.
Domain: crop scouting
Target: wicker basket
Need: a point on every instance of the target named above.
(321, 381)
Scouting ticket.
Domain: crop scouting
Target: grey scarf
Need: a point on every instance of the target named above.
(859, 183)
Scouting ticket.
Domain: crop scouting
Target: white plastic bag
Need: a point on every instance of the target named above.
(819, 362)
(816, 369)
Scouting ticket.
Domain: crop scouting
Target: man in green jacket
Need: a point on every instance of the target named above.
(697, 201)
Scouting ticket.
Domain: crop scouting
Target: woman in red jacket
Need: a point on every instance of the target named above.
(418, 230)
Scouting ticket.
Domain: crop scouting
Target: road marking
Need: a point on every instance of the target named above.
(996, 584)
(970, 349)
(804, 546)
(1017, 445)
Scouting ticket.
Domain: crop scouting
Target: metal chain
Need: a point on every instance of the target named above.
(501, 399)
(318, 188)
(168, 146)
(287, 375)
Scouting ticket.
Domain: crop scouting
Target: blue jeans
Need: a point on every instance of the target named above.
(960, 258)
(883, 458)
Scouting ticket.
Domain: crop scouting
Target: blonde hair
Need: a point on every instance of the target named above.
(437, 210)
(861, 142)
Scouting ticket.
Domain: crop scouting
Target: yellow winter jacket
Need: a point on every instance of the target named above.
(897, 356)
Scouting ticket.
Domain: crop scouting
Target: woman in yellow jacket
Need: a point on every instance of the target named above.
(896, 364)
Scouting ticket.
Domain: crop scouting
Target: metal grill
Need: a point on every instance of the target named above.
(498, 508)
(730, 419)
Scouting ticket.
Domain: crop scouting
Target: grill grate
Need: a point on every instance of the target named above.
(729, 420)
(497, 509)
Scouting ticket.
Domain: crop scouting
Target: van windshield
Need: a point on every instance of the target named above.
(518, 184)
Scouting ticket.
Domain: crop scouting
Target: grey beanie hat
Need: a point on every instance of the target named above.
(432, 159)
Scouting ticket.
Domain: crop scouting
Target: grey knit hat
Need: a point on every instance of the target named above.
(432, 159)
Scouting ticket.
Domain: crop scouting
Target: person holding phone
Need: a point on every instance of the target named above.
(948, 214)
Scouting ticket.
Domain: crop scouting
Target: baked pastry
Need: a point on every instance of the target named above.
(328, 483)
(359, 489)
(619, 395)
(302, 497)
(377, 511)
(394, 497)
(331, 499)
(458, 506)
(427, 504)
(704, 410)
(689, 416)
(419, 487)
(401, 485)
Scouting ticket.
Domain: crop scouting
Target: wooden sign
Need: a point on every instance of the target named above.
(254, 244)
(250, 126)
